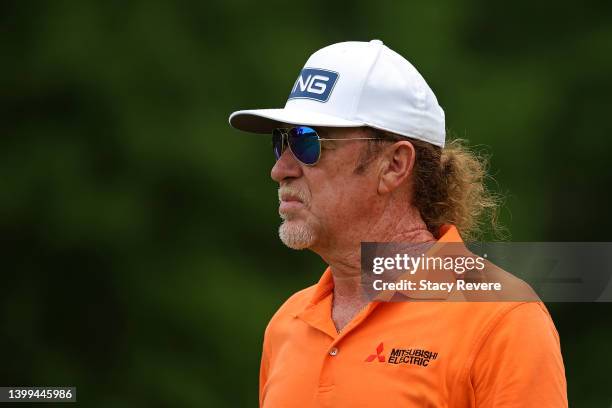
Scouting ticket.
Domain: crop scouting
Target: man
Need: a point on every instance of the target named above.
(361, 157)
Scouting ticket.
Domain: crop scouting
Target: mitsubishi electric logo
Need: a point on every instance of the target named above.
(411, 356)
(381, 357)
(314, 83)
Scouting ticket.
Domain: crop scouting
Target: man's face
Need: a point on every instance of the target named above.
(325, 204)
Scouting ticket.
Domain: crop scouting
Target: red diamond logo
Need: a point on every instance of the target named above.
(379, 355)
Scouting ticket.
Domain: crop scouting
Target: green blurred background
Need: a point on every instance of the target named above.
(139, 231)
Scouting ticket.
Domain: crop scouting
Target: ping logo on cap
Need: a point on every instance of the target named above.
(314, 83)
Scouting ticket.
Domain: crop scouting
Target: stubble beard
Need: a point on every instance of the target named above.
(296, 234)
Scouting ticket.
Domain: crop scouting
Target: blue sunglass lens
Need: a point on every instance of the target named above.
(304, 143)
(277, 143)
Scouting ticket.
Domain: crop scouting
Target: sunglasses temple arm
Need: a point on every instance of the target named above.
(353, 138)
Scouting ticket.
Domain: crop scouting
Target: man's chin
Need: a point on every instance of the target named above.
(296, 234)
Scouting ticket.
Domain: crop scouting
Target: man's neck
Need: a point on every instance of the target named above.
(345, 259)
(343, 254)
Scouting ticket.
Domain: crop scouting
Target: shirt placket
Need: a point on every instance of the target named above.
(319, 317)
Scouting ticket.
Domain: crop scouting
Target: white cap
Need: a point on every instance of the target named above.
(355, 84)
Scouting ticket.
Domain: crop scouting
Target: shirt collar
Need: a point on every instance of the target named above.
(317, 312)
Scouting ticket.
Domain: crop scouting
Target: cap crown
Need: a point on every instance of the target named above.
(369, 83)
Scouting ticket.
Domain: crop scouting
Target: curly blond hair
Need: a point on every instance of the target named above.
(449, 186)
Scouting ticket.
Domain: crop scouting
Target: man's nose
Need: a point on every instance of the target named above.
(286, 167)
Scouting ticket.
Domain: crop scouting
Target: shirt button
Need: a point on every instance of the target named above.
(333, 351)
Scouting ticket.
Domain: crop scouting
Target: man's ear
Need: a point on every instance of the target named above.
(397, 166)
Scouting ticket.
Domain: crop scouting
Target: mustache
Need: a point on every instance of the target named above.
(293, 192)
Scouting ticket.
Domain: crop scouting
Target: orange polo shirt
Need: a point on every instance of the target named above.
(411, 354)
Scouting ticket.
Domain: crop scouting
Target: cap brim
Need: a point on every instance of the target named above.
(265, 120)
